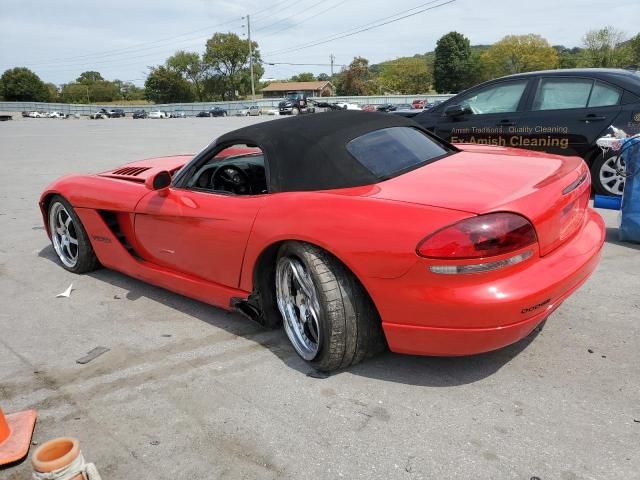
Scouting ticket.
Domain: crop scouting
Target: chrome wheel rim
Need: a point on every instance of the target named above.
(297, 299)
(63, 234)
(611, 177)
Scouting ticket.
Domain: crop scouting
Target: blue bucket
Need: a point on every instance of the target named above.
(607, 201)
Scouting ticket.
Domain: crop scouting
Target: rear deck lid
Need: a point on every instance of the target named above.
(551, 191)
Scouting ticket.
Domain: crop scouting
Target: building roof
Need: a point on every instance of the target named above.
(292, 86)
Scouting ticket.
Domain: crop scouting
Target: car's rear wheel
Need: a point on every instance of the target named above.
(69, 238)
(606, 176)
(328, 317)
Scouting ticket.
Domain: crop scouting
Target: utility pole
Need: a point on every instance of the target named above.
(332, 58)
(253, 88)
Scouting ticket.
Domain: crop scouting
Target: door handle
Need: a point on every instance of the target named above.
(505, 123)
(592, 118)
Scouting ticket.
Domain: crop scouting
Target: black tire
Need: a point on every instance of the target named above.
(295, 111)
(350, 327)
(603, 181)
(86, 257)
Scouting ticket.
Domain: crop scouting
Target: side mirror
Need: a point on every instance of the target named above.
(158, 181)
(454, 110)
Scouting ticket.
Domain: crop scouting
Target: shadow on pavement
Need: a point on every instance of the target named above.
(388, 366)
(612, 237)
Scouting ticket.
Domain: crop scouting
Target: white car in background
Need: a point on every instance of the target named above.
(157, 114)
(272, 111)
(348, 106)
(253, 111)
(35, 115)
(57, 115)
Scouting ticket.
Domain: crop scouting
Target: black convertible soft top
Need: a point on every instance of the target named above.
(309, 152)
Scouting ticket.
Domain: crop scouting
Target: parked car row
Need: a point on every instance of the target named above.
(35, 114)
(110, 113)
(290, 106)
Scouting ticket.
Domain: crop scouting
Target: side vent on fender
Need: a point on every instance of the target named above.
(111, 220)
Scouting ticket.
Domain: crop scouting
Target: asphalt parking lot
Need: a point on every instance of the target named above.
(190, 391)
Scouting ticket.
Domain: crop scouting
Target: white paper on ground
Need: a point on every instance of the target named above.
(66, 293)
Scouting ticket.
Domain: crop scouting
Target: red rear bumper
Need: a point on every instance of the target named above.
(485, 312)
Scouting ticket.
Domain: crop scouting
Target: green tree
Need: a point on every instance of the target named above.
(91, 87)
(22, 85)
(568, 57)
(405, 76)
(604, 48)
(634, 46)
(323, 77)
(53, 92)
(357, 79)
(164, 85)
(75, 93)
(104, 91)
(227, 57)
(452, 63)
(303, 77)
(519, 53)
(192, 68)
(128, 91)
(89, 77)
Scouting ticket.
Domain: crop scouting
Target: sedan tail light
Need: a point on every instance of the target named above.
(479, 237)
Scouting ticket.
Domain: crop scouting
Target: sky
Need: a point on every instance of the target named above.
(59, 39)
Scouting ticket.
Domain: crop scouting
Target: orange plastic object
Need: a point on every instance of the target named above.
(16, 430)
(56, 454)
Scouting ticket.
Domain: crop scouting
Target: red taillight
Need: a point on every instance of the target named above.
(477, 237)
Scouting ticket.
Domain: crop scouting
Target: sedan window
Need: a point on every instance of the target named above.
(562, 93)
(503, 97)
(604, 95)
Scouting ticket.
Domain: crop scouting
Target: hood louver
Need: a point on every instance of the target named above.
(130, 171)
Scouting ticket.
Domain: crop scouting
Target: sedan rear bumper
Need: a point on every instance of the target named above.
(484, 312)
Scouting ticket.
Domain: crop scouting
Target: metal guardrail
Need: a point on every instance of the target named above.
(192, 109)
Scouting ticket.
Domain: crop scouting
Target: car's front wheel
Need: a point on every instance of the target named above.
(328, 317)
(69, 238)
(295, 111)
(606, 174)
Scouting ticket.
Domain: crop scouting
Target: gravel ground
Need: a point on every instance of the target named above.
(190, 391)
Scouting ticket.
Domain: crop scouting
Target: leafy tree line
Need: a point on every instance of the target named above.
(21, 84)
(221, 72)
(455, 64)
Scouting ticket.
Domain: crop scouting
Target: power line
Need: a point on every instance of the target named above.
(129, 49)
(363, 28)
(270, 7)
(305, 64)
(273, 12)
(305, 19)
(295, 14)
(145, 45)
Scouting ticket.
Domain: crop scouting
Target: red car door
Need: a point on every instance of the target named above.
(194, 232)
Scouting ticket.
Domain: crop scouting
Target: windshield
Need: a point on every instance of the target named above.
(391, 151)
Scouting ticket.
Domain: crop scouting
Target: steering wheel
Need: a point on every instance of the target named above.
(230, 178)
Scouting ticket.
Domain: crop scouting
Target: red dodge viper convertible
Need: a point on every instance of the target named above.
(355, 230)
